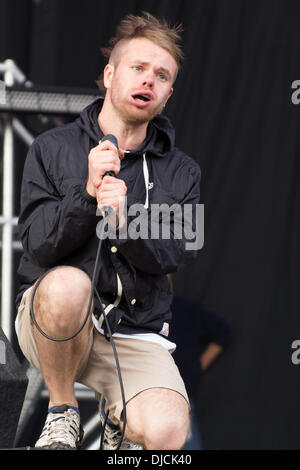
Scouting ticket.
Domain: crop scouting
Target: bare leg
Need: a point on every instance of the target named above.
(60, 305)
(158, 418)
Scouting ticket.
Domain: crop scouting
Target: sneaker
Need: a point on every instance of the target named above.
(112, 432)
(62, 430)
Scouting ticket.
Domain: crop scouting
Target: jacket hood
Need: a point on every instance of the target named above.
(160, 133)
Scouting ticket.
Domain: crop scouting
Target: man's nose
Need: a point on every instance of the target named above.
(149, 80)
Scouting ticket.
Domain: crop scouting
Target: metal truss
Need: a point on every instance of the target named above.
(18, 95)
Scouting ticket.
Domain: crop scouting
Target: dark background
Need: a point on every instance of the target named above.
(233, 114)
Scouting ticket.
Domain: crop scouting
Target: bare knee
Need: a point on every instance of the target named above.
(168, 434)
(159, 419)
(62, 297)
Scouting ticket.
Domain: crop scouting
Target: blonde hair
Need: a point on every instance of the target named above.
(145, 26)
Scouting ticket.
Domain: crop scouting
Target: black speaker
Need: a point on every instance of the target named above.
(13, 385)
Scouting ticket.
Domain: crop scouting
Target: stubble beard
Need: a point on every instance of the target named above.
(130, 115)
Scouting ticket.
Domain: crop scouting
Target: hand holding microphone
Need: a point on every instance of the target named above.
(103, 159)
(104, 165)
(111, 138)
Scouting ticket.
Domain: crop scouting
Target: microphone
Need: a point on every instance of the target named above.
(108, 210)
(114, 141)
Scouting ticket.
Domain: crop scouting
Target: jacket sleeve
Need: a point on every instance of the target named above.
(51, 224)
(158, 254)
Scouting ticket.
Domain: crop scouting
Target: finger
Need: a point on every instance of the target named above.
(115, 202)
(99, 177)
(116, 205)
(115, 192)
(108, 179)
(113, 167)
(104, 157)
(121, 153)
(109, 183)
(98, 167)
(112, 180)
(103, 198)
(106, 145)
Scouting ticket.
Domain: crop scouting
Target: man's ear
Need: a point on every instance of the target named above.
(107, 75)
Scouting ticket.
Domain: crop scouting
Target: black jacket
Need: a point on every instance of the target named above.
(58, 219)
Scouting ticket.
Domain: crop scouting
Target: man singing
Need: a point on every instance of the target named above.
(64, 191)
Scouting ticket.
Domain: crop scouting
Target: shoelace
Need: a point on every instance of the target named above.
(112, 434)
(62, 428)
(112, 437)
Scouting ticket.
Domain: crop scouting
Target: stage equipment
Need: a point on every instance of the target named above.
(13, 385)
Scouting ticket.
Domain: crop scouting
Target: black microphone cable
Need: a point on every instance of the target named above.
(68, 338)
(93, 291)
(107, 211)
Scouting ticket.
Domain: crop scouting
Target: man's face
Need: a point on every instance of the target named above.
(139, 81)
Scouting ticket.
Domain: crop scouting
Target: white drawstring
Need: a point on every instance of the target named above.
(146, 179)
(109, 307)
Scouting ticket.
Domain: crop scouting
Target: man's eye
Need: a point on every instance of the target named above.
(162, 76)
(138, 68)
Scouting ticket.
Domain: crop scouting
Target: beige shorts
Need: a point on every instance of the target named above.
(143, 364)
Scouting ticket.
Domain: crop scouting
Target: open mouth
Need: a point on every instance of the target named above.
(141, 98)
